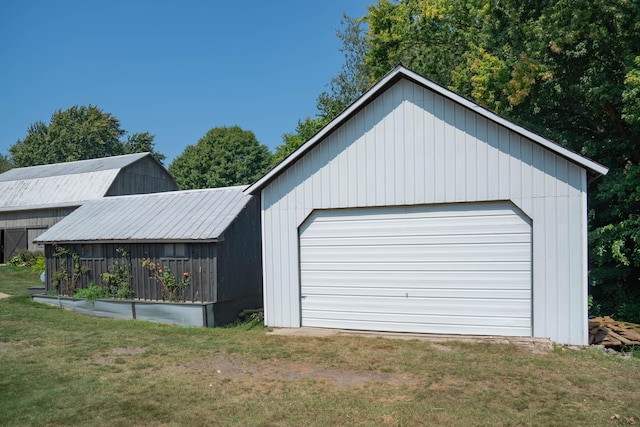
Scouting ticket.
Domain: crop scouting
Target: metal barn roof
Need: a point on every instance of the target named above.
(171, 216)
(61, 184)
(71, 168)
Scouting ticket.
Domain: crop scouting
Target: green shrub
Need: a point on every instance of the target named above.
(92, 292)
(118, 277)
(25, 258)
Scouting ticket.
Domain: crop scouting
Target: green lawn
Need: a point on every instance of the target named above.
(62, 368)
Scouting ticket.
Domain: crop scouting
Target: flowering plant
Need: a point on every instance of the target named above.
(172, 288)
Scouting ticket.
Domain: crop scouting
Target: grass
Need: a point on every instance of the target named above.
(62, 368)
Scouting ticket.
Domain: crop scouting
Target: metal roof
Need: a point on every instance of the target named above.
(60, 184)
(401, 72)
(71, 168)
(170, 216)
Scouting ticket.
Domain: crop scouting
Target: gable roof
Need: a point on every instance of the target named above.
(61, 184)
(193, 215)
(71, 168)
(401, 72)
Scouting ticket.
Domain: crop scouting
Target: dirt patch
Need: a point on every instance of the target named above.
(115, 353)
(534, 345)
(272, 370)
(4, 295)
(442, 347)
(128, 351)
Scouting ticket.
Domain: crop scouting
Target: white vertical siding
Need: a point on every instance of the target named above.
(413, 146)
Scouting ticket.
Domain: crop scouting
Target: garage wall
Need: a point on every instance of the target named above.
(412, 146)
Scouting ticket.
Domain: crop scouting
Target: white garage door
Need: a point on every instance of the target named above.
(454, 269)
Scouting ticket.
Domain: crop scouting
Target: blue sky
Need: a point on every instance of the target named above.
(175, 69)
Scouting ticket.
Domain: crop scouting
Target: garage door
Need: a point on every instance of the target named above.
(453, 269)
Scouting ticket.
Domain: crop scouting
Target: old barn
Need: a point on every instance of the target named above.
(33, 199)
(416, 210)
(213, 235)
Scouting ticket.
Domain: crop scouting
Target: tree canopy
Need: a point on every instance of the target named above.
(78, 133)
(224, 156)
(568, 70)
(5, 163)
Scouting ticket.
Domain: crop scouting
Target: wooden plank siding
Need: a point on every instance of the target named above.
(142, 177)
(200, 261)
(239, 257)
(40, 218)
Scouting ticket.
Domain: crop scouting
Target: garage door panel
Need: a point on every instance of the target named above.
(503, 252)
(442, 320)
(430, 324)
(423, 239)
(410, 227)
(311, 292)
(453, 307)
(443, 269)
(462, 280)
(416, 266)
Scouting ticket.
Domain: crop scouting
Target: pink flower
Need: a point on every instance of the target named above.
(159, 270)
(186, 274)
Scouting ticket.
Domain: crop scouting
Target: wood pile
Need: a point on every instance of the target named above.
(610, 333)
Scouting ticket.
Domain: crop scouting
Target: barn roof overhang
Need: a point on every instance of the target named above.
(127, 241)
(41, 207)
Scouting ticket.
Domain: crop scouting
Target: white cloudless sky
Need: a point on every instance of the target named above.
(173, 68)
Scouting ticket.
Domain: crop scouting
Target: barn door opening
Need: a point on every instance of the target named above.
(14, 239)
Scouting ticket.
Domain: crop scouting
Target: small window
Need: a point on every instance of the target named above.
(175, 250)
(91, 251)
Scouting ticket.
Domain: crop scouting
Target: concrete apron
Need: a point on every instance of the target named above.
(536, 345)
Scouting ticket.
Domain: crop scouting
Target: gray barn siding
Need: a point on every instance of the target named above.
(36, 218)
(200, 262)
(35, 222)
(413, 146)
(239, 258)
(142, 177)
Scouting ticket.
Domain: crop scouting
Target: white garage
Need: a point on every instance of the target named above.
(416, 210)
(455, 269)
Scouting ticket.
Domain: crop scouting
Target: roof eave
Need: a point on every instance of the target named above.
(124, 241)
(75, 204)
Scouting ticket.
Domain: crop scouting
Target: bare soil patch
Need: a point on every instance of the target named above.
(533, 345)
(275, 370)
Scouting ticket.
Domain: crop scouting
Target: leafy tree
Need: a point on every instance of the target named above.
(291, 141)
(78, 133)
(224, 156)
(354, 77)
(5, 164)
(142, 143)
